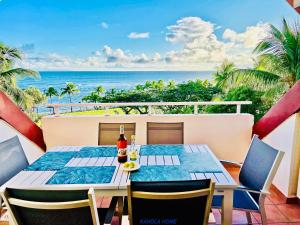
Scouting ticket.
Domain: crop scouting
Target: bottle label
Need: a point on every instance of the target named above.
(122, 152)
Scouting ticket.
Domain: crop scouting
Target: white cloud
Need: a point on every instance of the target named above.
(250, 37)
(104, 25)
(200, 44)
(134, 35)
(197, 48)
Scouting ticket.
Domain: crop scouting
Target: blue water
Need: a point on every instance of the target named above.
(87, 80)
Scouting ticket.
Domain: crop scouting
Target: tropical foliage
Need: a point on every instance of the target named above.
(51, 92)
(70, 89)
(278, 62)
(9, 75)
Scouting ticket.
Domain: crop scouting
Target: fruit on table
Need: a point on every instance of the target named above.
(130, 165)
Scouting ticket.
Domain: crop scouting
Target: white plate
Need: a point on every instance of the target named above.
(137, 166)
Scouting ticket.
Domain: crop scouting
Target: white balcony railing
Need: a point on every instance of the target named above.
(150, 105)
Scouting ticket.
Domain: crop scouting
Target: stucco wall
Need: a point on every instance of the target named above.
(32, 151)
(284, 138)
(228, 135)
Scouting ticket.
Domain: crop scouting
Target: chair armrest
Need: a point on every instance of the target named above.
(244, 188)
(111, 211)
(231, 162)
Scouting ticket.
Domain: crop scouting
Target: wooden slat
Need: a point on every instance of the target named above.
(43, 178)
(100, 161)
(201, 148)
(83, 162)
(200, 176)
(160, 160)
(193, 176)
(187, 148)
(70, 162)
(212, 177)
(194, 148)
(115, 162)
(92, 162)
(168, 160)
(108, 161)
(20, 177)
(221, 178)
(124, 179)
(75, 162)
(144, 160)
(33, 176)
(175, 160)
(118, 176)
(151, 160)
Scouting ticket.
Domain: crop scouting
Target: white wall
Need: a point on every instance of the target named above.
(283, 138)
(228, 135)
(32, 151)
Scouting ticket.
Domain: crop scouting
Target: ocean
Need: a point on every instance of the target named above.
(88, 80)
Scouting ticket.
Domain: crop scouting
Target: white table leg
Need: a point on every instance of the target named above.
(227, 207)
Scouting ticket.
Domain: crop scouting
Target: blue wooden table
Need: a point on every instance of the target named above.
(71, 167)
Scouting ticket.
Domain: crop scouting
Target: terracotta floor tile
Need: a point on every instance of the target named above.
(275, 197)
(217, 215)
(105, 202)
(291, 211)
(273, 215)
(99, 201)
(239, 217)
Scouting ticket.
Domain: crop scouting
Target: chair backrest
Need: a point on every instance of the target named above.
(172, 202)
(12, 159)
(260, 165)
(35, 207)
(110, 132)
(164, 133)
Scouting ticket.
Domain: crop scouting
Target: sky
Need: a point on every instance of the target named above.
(138, 34)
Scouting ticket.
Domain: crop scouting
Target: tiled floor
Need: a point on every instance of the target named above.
(278, 213)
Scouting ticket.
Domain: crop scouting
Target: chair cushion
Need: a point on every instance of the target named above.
(241, 200)
(12, 159)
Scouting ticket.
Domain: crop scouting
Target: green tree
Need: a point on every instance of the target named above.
(36, 95)
(9, 75)
(100, 90)
(258, 107)
(51, 92)
(278, 64)
(223, 74)
(70, 89)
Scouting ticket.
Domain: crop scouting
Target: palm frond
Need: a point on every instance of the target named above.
(20, 73)
(256, 78)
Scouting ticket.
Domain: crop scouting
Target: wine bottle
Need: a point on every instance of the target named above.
(122, 146)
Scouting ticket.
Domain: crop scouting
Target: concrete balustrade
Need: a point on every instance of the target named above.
(228, 135)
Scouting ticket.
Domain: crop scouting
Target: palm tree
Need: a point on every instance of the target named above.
(278, 66)
(70, 89)
(9, 76)
(50, 92)
(100, 90)
(223, 73)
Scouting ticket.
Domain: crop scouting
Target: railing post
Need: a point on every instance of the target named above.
(195, 109)
(238, 108)
(149, 109)
(56, 110)
(106, 111)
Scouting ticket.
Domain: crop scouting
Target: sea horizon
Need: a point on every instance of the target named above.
(87, 81)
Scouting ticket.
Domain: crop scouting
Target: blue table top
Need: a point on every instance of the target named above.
(190, 162)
